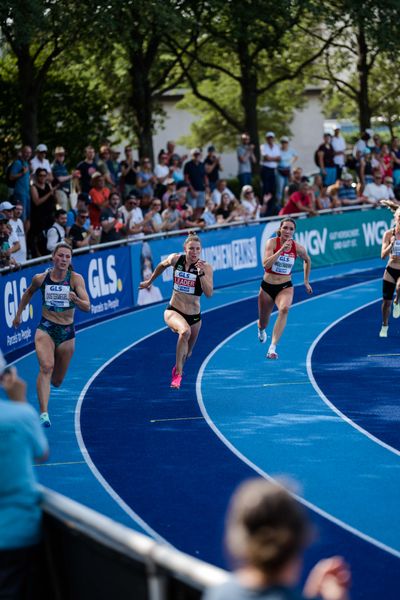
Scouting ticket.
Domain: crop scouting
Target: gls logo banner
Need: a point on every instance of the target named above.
(13, 292)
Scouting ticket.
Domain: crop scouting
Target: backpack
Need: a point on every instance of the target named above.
(42, 241)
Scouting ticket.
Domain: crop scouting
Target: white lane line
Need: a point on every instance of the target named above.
(393, 354)
(285, 383)
(57, 464)
(176, 419)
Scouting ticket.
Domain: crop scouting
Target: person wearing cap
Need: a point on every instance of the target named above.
(39, 161)
(197, 180)
(339, 148)
(8, 243)
(212, 164)
(20, 176)
(347, 192)
(246, 158)
(325, 159)
(86, 168)
(61, 175)
(270, 158)
(99, 195)
(288, 157)
(17, 226)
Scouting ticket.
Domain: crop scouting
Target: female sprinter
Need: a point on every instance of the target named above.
(276, 286)
(391, 277)
(192, 276)
(62, 290)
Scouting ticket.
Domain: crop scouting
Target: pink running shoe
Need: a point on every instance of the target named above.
(272, 355)
(176, 379)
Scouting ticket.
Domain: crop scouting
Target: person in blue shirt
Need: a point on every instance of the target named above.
(22, 441)
(20, 176)
(266, 533)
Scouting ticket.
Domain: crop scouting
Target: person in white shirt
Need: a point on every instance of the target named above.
(135, 222)
(338, 144)
(376, 191)
(17, 227)
(270, 157)
(39, 161)
(56, 233)
(249, 203)
(221, 188)
(7, 209)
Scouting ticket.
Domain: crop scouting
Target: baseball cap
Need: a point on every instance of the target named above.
(269, 134)
(3, 218)
(347, 177)
(195, 151)
(284, 138)
(337, 126)
(59, 150)
(6, 206)
(96, 175)
(41, 148)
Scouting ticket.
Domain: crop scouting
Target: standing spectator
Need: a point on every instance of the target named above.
(114, 167)
(266, 534)
(20, 175)
(146, 179)
(376, 191)
(339, 148)
(56, 233)
(61, 176)
(213, 167)
(80, 234)
(103, 166)
(22, 442)
(127, 207)
(246, 157)
(176, 169)
(40, 161)
(186, 211)
(99, 195)
(171, 216)
(197, 180)
(386, 161)
(300, 201)
(368, 165)
(86, 168)
(325, 158)
(396, 161)
(128, 172)
(170, 190)
(249, 202)
(162, 172)
(288, 158)
(270, 157)
(359, 150)
(83, 201)
(43, 207)
(17, 225)
(221, 188)
(376, 144)
(111, 220)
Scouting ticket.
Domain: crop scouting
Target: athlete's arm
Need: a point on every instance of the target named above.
(302, 253)
(387, 244)
(170, 261)
(80, 297)
(271, 255)
(206, 277)
(36, 282)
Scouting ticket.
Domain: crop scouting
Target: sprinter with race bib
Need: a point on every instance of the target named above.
(62, 291)
(276, 286)
(192, 276)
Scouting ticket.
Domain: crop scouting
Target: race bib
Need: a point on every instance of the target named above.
(283, 265)
(57, 295)
(184, 282)
(396, 248)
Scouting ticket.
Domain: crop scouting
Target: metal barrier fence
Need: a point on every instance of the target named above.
(89, 556)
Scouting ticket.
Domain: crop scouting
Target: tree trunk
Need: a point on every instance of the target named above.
(364, 109)
(141, 100)
(29, 96)
(249, 98)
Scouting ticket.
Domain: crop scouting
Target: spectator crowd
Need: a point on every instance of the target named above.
(105, 198)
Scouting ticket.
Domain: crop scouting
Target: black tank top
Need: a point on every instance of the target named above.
(186, 282)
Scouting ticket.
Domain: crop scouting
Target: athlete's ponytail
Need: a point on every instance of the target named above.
(192, 237)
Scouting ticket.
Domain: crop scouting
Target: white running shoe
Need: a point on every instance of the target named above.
(45, 419)
(384, 331)
(272, 355)
(396, 310)
(262, 335)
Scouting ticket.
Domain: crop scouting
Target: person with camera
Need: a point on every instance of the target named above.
(246, 157)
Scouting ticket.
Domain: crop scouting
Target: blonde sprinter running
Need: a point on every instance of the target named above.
(276, 286)
(391, 276)
(192, 276)
(62, 290)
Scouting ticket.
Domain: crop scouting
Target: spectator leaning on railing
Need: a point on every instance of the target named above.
(300, 201)
(376, 191)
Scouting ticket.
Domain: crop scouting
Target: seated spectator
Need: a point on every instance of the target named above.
(347, 193)
(99, 195)
(111, 220)
(8, 243)
(208, 217)
(186, 211)
(223, 211)
(17, 225)
(237, 211)
(325, 159)
(294, 184)
(388, 181)
(250, 203)
(376, 191)
(169, 191)
(386, 161)
(146, 179)
(39, 161)
(221, 187)
(368, 163)
(56, 233)
(127, 207)
(300, 201)
(82, 235)
(135, 223)
(82, 202)
(325, 200)
(171, 217)
(266, 534)
(316, 187)
(152, 219)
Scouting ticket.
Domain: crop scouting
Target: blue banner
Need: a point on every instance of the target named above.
(108, 281)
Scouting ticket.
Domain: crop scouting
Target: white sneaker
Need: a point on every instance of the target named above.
(384, 331)
(272, 352)
(262, 335)
(396, 310)
(45, 419)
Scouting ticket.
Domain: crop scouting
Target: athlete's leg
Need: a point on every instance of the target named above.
(45, 352)
(283, 301)
(62, 355)
(195, 330)
(265, 307)
(179, 325)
